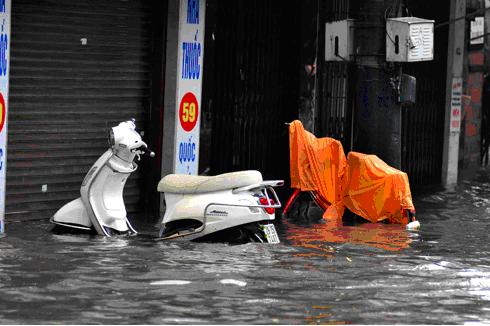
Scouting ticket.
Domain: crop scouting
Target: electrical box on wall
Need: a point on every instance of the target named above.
(339, 40)
(409, 39)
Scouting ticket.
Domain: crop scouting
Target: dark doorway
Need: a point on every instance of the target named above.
(336, 83)
(250, 86)
(423, 123)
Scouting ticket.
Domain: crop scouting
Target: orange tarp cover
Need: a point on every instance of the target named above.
(363, 183)
(318, 165)
(375, 190)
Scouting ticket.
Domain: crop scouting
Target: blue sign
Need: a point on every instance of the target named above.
(187, 151)
(189, 81)
(191, 52)
(192, 11)
(1, 159)
(3, 54)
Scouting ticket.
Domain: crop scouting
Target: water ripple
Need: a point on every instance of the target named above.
(319, 273)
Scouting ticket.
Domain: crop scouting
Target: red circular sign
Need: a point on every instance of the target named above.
(2, 112)
(188, 111)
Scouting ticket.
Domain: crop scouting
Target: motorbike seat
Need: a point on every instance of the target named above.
(196, 184)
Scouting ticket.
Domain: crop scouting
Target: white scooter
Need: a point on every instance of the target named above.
(101, 205)
(231, 207)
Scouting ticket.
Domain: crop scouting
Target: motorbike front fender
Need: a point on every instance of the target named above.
(73, 214)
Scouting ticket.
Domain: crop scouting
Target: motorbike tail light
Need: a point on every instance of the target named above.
(263, 201)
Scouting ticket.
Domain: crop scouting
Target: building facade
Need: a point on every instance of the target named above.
(78, 68)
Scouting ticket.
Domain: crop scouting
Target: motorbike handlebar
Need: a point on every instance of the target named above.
(143, 151)
(151, 154)
(148, 152)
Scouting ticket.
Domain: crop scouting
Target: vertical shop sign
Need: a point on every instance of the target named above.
(457, 90)
(5, 6)
(189, 82)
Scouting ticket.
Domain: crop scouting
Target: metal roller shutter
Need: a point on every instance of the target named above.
(64, 94)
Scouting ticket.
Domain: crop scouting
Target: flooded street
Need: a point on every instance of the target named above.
(362, 274)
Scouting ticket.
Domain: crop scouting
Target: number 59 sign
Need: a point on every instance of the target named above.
(188, 111)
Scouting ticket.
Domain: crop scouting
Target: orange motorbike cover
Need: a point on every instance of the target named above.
(318, 165)
(375, 190)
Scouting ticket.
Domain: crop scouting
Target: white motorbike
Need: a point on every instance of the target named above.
(101, 206)
(232, 207)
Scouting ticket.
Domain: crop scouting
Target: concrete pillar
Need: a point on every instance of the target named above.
(378, 113)
(183, 81)
(378, 116)
(5, 10)
(170, 87)
(170, 92)
(454, 87)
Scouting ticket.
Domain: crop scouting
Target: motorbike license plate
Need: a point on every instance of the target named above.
(270, 233)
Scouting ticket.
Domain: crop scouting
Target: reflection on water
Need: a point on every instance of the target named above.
(318, 236)
(319, 274)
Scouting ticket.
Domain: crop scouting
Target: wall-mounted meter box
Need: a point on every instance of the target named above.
(409, 39)
(339, 40)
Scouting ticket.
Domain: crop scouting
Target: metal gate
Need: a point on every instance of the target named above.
(335, 116)
(423, 128)
(335, 102)
(77, 68)
(250, 85)
(423, 123)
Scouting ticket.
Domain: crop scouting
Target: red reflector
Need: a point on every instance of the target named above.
(263, 201)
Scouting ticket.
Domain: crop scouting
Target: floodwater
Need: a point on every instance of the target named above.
(319, 274)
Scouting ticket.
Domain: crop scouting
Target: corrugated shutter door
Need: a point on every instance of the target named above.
(64, 93)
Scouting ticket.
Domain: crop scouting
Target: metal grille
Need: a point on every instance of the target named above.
(421, 34)
(335, 114)
(64, 94)
(422, 130)
(336, 10)
(252, 92)
(336, 110)
(423, 123)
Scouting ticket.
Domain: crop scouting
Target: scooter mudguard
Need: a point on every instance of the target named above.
(73, 215)
(102, 193)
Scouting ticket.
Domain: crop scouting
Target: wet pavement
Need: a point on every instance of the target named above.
(319, 274)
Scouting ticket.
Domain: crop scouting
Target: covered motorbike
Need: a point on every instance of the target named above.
(364, 184)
